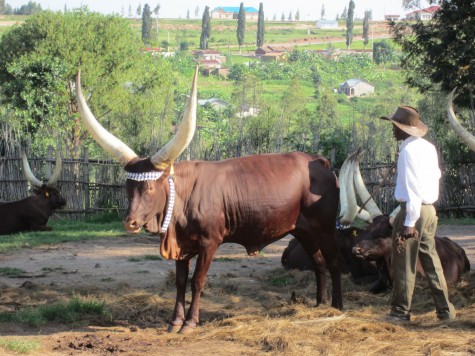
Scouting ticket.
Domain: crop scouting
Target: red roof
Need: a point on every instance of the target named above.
(431, 9)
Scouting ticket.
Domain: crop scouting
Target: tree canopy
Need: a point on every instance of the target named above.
(40, 58)
(440, 52)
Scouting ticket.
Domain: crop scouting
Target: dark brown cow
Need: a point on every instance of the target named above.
(252, 201)
(367, 253)
(32, 213)
(453, 258)
(295, 257)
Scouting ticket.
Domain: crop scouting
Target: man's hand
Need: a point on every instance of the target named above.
(410, 232)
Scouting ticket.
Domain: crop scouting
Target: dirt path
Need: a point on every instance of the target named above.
(136, 262)
(128, 273)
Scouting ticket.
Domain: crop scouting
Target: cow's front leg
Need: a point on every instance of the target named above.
(203, 262)
(181, 278)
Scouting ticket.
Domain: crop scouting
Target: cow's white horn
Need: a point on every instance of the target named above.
(349, 209)
(461, 132)
(30, 177)
(362, 191)
(185, 132)
(118, 149)
(57, 171)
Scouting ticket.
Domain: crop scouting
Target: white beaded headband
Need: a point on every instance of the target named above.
(140, 177)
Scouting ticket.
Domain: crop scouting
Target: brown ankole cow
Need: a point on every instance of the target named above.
(195, 206)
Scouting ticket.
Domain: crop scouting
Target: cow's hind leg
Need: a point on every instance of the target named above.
(203, 262)
(181, 278)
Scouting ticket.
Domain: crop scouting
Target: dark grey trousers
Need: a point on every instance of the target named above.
(404, 260)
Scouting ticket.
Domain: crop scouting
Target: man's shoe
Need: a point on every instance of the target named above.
(447, 316)
(398, 318)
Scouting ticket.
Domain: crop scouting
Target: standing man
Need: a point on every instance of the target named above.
(417, 188)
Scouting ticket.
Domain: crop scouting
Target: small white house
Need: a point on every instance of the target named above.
(356, 87)
(327, 24)
(215, 103)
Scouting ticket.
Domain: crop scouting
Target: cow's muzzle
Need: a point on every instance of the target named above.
(132, 226)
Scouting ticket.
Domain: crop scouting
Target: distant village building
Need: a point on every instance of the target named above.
(274, 57)
(356, 87)
(391, 17)
(326, 24)
(210, 62)
(215, 103)
(245, 110)
(230, 12)
(209, 55)
(270, 49)
(424, 14)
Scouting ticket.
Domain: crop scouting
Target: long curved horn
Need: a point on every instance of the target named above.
(362, 191)
(461, 132)
(184, 135)
(57, 171)
(348, 208)
(118, 149)
(30, 177)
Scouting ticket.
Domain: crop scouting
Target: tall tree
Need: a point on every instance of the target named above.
(188, 14)
(205, 29)
(139, 10)
(146, 25)
(260, 26)
(197, 11)
(322, 12)
(241, 27)
(350, 24)
(297, 15)
(290, 16)
(130, 11)
(440, 53)
(366, 29)
(2, 6)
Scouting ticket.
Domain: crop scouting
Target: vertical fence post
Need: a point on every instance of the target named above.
(49, 157)
(87, 201)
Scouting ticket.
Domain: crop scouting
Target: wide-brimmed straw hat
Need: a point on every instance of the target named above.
(408, 119)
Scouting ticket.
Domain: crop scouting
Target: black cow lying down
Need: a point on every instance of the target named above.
(367, 253)
(32, 213)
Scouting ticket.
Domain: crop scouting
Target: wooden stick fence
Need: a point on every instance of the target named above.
(97, 186)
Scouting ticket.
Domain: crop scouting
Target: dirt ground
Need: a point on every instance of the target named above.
(128, 274)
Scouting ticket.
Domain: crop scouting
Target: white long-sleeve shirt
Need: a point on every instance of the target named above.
(418, 175)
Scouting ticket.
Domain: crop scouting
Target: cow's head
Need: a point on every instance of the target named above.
(46, 191)
(147, 184)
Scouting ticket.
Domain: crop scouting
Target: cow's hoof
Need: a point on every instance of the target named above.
(174, 328)
(187, 329)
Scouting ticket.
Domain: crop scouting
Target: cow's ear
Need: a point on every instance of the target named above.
(46, 194)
